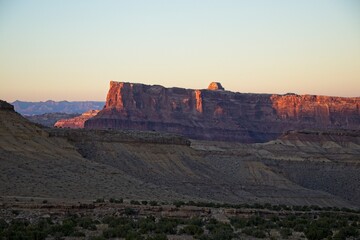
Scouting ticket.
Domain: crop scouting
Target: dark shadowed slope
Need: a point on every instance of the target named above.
(88, 164)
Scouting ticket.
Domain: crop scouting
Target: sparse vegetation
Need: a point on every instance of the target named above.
(313, 223)
(115, 200)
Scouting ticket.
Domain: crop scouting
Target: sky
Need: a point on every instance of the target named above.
(71, 49)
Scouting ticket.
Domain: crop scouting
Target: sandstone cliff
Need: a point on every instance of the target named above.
(49, 119)
(76, 122)
(216, 114)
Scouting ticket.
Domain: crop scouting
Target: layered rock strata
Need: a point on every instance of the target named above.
(216, 114)
(76, 122)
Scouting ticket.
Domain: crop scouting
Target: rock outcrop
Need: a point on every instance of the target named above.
(49, 119)
(6, 106)
(215, 86)
(76, 122)
(221, 115)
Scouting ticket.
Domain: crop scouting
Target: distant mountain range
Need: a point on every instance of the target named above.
(36, 108)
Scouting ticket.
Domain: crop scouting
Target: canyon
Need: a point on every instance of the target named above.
(220, 115)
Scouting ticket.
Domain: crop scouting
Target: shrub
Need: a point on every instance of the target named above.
(134, 202)
(178, 203)
(133, 235)
(166, 225)
(192, 230)
(147, 225)
(254, 232)
(130, 211)
(87, 223)
(160, 236)
(285, 233)
(220, 230)
(196, 221)
(100, 200)
(114, 200)
(346, 232)
(238, 222)
(316, 232)
(97, 238)
(153, 203)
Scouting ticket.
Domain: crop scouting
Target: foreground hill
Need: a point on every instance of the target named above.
(37, 108)
(88, 164)
(216, 114)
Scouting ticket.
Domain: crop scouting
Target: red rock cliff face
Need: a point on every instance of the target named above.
(216, 114)
(76, 122)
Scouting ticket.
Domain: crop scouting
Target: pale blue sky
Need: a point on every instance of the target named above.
(71, 49)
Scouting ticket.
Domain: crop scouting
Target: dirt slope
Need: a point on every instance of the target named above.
(85, 164)
(33, 164)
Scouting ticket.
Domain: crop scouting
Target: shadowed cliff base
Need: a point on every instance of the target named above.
(216, 114)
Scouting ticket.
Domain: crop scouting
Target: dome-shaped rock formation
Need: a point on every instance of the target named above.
(214, 86)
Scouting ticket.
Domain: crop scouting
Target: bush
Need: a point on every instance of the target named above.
(133, 235)
(346, 232)
(67, 228)
(100, 200)
(97, 238)
(153, 203)
(196, 221)
(316, 232)
(254, 232)
(3, 224)
(147, 225)
(238, 222)
(166, 225)
(192, 230)
(220, 230)
(178, 203)
(114, 200)
(285, 233)
(255, 221)
(134, 202)
(87, 223)
(130, 211)
(160, 236)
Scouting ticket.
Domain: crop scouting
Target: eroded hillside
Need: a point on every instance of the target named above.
(87, 164)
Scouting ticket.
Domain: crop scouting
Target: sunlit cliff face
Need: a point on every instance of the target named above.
(198, 98)
(319, 108)
(214, 113)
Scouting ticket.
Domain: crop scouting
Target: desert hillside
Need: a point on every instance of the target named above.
(88, 164)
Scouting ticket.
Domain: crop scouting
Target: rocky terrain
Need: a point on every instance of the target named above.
(76, 121)
(38, 108)
(216, 114)
(49, 119)
(300, 168)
